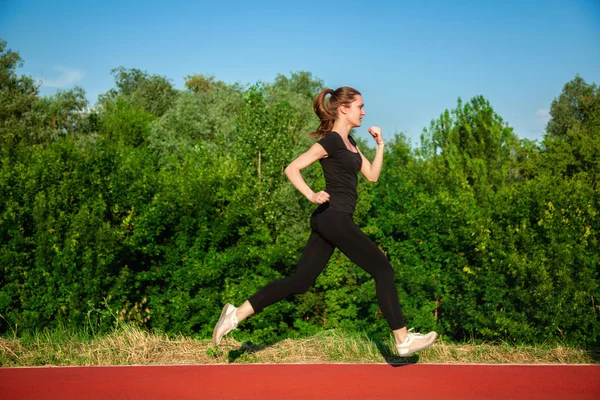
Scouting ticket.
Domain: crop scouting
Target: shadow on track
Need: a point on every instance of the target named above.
(392, 358)
(595, 352)
(249, 351)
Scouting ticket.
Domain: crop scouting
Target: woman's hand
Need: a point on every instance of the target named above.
(319, 197)
(375, 131)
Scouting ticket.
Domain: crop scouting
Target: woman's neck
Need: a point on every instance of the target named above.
(342, 128)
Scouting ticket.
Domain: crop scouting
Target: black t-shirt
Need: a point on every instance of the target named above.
(340, 169)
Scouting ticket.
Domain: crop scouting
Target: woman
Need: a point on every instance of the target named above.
(331, 223)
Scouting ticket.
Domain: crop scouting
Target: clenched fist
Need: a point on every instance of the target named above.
(375, 131)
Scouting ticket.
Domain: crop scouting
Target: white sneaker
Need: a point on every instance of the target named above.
(415, 342)
(227, 322)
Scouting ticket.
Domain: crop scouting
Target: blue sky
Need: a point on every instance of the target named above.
(410, 59)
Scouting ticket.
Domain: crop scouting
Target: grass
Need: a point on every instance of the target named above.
(128, 345)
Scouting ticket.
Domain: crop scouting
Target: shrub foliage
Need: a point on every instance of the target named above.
(156, 206)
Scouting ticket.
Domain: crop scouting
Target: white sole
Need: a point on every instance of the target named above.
(226, 310)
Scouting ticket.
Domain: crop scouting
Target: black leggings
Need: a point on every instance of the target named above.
(331, 229)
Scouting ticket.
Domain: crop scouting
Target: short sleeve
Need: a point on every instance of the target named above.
(330, 143)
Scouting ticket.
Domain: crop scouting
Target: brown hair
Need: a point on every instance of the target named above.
(327, 111)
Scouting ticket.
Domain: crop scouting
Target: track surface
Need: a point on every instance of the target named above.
(303, 381)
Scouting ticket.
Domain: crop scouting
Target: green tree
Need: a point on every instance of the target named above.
(572, 142)
(18, 93)
(473, 145)
(153, 93)
(199, 83)
(301, 83)
(125, 123)
(298, 91)
(64, 113)
(206, 117)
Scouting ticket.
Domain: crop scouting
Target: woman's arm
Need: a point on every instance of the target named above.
(292, 171)
(371, 171)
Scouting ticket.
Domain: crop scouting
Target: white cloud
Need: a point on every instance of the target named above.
(65, 78)
(542, 116)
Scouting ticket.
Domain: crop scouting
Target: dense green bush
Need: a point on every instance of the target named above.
(157, 206)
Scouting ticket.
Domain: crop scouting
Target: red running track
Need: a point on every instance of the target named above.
(303, 381)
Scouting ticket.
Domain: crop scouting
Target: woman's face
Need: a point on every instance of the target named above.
(355, 112)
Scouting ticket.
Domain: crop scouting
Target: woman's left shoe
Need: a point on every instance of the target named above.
(227, 322)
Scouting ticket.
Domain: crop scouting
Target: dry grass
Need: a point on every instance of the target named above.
(131, 346)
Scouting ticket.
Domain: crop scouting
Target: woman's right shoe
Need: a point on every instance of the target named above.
(415, 342)
(227, 322)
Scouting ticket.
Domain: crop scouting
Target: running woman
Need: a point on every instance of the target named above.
(331, 223)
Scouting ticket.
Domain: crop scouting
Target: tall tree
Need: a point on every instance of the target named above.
(199, 83)
(17, 95)
(153, 93)
(572, 140)
(473, 145)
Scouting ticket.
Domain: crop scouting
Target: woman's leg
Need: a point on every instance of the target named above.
(314, 258)
(339, 229)
(342, 232)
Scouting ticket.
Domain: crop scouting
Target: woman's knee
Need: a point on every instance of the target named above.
(384, 273)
